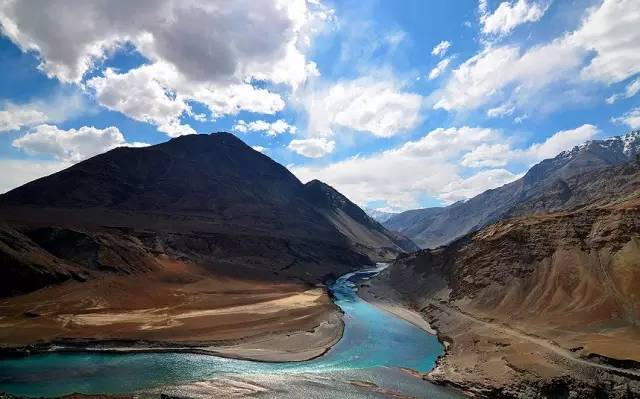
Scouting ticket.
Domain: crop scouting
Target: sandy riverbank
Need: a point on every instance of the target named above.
(177, 309)
(387, 300)
(489, 358)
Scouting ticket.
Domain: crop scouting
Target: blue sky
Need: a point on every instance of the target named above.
(397, 104)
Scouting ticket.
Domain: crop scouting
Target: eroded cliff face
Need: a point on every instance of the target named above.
(539, 305)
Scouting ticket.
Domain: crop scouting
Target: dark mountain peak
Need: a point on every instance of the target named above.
(210, 139)
(195, 172)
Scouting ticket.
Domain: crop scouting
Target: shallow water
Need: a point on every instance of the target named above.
(373, 341)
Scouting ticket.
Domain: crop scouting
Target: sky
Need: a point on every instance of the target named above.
(397, 104)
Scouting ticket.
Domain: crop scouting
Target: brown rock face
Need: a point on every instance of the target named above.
(541, 301)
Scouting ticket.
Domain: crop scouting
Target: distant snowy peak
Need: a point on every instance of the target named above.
(378, 215)
(627, 146)
(631, 143)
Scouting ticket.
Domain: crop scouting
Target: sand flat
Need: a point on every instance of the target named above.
(265, 320)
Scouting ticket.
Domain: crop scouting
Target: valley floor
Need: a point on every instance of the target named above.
(179, 307)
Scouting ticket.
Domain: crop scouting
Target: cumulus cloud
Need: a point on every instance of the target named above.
(16, 172)
(71, 145)
(441, 48)
(605, 49)
(314, 147)
(437, 71)
(203, 40)
(269, 128)
(195, 50)
(378, 106)
(630, 118)
(509, 15)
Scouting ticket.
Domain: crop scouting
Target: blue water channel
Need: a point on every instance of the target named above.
(373, 341)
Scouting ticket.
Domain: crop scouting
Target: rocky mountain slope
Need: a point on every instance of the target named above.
(542, 304)
(209, 199)
(433, 227)
(362, 230)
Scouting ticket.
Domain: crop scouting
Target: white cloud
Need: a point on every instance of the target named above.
(158, 94)
(500, 111)
(470, 187)
(196, 50)
(403, 175)
(611, 32)
(560, 141)
(605, 48)
(259, 148)
(56, 108)
(16, 172)
(270, 128)
(14, 117)
(441, 48)
(71, 145)
(314, 147)
(505, 74)
(487, 155)
(630, 90)
(443, 143)
(231, 99)
(203, 40)
(370, 104)
(394, 38)
(509, 15)
(630, 118)
(140, 96)
(437, 71)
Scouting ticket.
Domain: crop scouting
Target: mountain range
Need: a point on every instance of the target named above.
(432, 227)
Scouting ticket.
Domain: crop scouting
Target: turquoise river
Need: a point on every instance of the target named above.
(374, 348)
